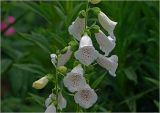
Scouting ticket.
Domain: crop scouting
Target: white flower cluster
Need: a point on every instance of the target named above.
(76, 83)
(86, 53)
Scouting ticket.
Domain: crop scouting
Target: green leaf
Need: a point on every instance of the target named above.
(40, 100)
(157, 103)
(33, 68)
(6, 63)
(154, 81)
(131, 75)
(38, 40)
(98, 80)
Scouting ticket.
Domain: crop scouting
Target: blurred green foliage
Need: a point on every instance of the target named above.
(42, 28)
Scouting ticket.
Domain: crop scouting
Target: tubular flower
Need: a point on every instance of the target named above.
(48, 101)
(53, 59)
(50, 109)
(41, 83)
(86, 53)
(106, 23)
(85, 97)
(77, 28)
(106, 43)
(75, 80)
(62, 103)
(109, 64)
(63, 59)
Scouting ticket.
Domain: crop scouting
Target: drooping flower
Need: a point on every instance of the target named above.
(109, 64)
(86, 53)
(78, 26)
(53, 59)
(75, 80)
(62, 103)
(41, 83)
(106, 23)
(63, 59)
(48, 101)
(106, 43)
(85, 97)
(50, 109)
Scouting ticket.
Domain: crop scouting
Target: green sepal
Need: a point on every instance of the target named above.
(74, 45)
(96, 10)
(94, 29)
(64, 50)
(76, 63)
(62, 69)
(82, 14)
(87, 31)
(49, 76)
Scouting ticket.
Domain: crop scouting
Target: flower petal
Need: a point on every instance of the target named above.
(62, 103)
(77, 28)
(50, 109)
(109, 64)
(48, 101)
(86, 53)
(64, 57)
(85, 97)
(74, 80)
(53, 59)
(106, 44)
(106, 23)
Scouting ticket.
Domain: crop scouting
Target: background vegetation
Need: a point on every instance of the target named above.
(42, 28)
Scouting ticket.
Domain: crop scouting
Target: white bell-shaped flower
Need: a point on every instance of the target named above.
(109, 64)
(62, 103)
(53, 59)
(106, 43)
(85, 97)
(48, 101)
(77, 27)
(86, 53)
(75, 80)
(106, 23)
(63, 59)
(50, 109)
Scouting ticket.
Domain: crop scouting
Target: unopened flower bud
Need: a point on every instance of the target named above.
(95, 1)
(41, 83)
(62, 69)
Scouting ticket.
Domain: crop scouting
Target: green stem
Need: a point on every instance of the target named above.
(87, 6)
(56, 86)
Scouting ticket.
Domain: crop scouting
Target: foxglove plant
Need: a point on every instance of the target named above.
(85, 54)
